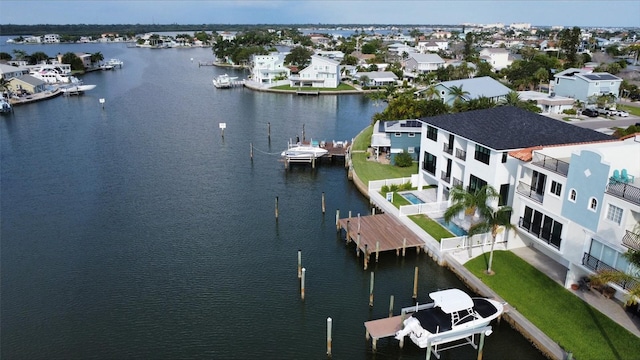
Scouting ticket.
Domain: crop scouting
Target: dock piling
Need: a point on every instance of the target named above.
(377, 250)
(299, 264)
(251, 151)
(302, 283)
(276, 208)
(391, 306)
(371, 290)
(415, 284)
(323, 203)
(329, 339)
(337, 219)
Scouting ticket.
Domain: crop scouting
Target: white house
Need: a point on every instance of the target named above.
(578, 204)
(51, 38)
(585, 85)
(470, 149)
(7, 71)
(498, 58)
(267, 69)
(423, 63)
(548, 103)
(376, 78)
(321, 73)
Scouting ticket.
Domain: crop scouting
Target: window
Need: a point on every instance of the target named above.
(556, 188)
(432, 133)
(475, 183)
(429, 164)
(504, 157)
(614, 214)
(412, 134)
(542, 226)
(398, 134)
(411, 149)
(593, 204)
(573, 195)
(482, 154)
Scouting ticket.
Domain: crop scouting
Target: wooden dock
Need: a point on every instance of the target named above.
(336, 151)
(382, 328)
(378, 233)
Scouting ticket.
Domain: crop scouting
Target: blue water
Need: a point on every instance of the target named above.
(138, 232)
(453, 228)
(412, 198)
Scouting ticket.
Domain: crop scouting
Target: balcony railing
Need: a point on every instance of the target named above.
(529, 191)
(631, 240)
(457, 182)
(596, 265)
(553, 164)
(446, 148)
(540, 232)
(446, 177)
(461, 154)
(624, 191)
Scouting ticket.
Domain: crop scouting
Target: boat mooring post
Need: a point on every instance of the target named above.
(358, 222)
(347, 236)
(329, 339)
(269, 130)
(101, 102)
(337, 220)
(404, 246)
(251, 151)
(302, 283)
(358, 245)
(391, 306)
(276, 208)
(323, 203)
(371, 290)
(366, 256)
(481, 345)
(222, 127)
(415, 284)
(299, 264)
(377, 250)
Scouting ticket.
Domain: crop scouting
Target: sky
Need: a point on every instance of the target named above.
(584, 13)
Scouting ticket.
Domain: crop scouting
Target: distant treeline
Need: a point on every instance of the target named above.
(91, 30)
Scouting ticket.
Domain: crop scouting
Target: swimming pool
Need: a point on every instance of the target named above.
(412, 198)
(455, 229)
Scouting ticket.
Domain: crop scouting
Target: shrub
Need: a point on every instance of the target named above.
(569, 111)
(403, 159)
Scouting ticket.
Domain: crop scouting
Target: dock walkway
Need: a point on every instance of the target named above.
(379, 233)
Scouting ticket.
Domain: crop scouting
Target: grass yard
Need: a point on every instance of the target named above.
(431, 226)
(565, 318)
(632, 110)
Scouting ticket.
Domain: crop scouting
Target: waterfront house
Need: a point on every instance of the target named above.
(321, 73)
(470, 149)
(8, 71)
(585, 85)
(549, 103)
(390, 138)
(578, 204)
(26, 84)
(376, 78)
(51, 38)
(269, 69)
(474, 88)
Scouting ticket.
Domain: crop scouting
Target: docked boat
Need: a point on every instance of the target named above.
(115, 63)
(51, 76)
(224, 81)
(451, 316)
(300, 151)
(76, 87)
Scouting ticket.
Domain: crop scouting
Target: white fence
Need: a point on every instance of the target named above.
(433, 210)
(465, 242)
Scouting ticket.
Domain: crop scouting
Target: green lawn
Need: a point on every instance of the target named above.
(431, 226)
(565, 318)
(632, 110)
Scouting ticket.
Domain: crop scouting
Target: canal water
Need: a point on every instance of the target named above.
(136, 230)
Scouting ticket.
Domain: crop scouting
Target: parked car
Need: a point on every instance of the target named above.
(622, 113)
(590, 113)
(605, 111)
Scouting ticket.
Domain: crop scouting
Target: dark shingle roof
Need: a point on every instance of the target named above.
(508, 127)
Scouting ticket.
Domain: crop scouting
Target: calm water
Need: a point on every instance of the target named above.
(137, 231)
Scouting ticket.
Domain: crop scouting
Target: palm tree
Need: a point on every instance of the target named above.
(458, 93)
(511, 99)
(494, 220)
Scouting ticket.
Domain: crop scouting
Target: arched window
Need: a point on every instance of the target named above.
(593, 204)
(573, 195)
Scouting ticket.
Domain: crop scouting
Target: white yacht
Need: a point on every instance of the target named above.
(301, 151)
(224, 81)
(451, 316)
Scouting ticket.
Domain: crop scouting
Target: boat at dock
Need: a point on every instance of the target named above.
(302, 151)
(115, 63)
(224, 81)
(5, 106)
(76, 87)
(451, 316)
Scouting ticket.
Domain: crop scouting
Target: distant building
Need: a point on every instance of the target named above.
(585, 85)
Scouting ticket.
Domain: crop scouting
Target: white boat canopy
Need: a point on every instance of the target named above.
(451, 300)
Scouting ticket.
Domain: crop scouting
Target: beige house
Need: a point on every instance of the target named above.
(26, 83)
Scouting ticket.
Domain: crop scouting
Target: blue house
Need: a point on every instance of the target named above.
(390, 138)
(585, 85)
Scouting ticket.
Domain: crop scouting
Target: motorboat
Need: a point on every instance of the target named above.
(115, 62)
(76, 87)
(451, 316)
(302, 151)
(224, 81)
(5, 106)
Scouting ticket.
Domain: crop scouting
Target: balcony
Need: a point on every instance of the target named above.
(457, 182)
(446, 177)
(529, 191)
(624, 191)
(553, 164)
(631, 240)
(596, 265)
(447, 148)
(540, 232)
(461, 154)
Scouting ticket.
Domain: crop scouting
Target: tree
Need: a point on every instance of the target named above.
(489, 219)
(469, 50)
(96, 57)
(73, 60)
(299, 56)
(38, 57)
(569, 42)
(458, 93)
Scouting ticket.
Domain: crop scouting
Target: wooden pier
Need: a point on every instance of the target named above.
(378, 233)
(382, 328)
(336, 151)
